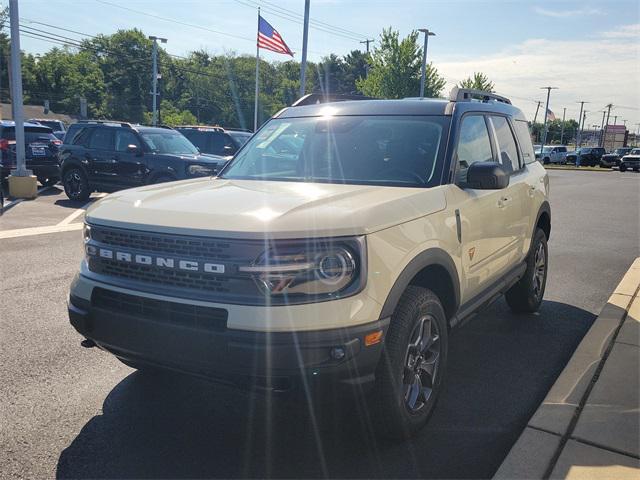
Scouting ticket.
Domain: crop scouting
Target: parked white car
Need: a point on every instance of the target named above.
(552, 154)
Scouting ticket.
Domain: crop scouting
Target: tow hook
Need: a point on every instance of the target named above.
(87, 343)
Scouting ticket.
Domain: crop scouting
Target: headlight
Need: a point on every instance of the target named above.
(86, 233)
(311, 269)
(201, 171)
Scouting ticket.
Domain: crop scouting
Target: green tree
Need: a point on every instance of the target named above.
(479, 81)
(396, 68)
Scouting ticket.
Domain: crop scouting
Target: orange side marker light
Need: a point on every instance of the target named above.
(373, 338)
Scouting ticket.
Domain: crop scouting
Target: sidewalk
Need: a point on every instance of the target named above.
(588, 426)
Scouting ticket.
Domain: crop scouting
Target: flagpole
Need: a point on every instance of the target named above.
(255, 112)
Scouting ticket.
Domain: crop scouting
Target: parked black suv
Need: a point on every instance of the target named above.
(41, 150)
(215, 140)
(109, 156)
(589, 156)
(613, 159)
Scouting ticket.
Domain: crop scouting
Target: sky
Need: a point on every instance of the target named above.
(589, 50)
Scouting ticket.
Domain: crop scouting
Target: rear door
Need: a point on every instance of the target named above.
(516, 215)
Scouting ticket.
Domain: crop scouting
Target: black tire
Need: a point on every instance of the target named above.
(76, 185)
(546, 161)
(48, 181)
(403, 404)
(623, 167)
(526, 295)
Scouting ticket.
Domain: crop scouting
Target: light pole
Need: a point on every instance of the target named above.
(564, 113)
(305, 42)
(580, 121)
(154, 80)
(21, 181)
(427, 34)
(546, 114)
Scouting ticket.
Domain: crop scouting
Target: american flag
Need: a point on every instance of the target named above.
(270, 39)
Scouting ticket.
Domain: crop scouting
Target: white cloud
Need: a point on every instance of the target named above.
(566, 13)
(601, 72)
(624, 31)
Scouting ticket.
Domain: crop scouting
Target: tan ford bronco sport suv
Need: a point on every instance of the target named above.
(335, 251)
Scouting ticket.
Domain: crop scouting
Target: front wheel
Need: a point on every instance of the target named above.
(623, 167)
(526, 295)
(411, 371)
(76, 185)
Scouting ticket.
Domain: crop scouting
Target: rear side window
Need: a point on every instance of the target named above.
(562, 149)
(102, 139)
(524, 139)
(507, 149)
(473, 145)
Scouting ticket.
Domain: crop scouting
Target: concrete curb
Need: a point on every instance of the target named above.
(540, 444)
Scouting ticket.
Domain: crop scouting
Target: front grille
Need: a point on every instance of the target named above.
(213, 249)
(160, 311)
(174, 281)
(169, 278)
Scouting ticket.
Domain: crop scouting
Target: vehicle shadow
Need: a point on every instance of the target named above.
(501, 367)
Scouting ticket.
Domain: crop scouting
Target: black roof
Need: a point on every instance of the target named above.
(408, 106)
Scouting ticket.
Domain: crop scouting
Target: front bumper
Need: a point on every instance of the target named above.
(195, 340)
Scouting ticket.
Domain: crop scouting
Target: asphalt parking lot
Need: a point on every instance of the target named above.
(70, 412)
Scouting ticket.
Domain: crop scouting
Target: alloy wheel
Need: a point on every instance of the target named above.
(539, 270)
(421, 363)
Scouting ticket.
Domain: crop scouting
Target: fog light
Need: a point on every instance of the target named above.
(337, 353)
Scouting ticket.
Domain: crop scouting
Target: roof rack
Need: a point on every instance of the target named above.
(468, 95)
(107, 122)
(204, 127)
(246, 130)
(317, 98)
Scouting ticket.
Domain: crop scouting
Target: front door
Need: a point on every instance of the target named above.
(486, 239)
(130, 168)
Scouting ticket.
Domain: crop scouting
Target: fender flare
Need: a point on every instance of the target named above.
(544, 208)
(427, 258)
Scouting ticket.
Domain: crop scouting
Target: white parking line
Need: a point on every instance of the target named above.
(80, 210)
(27, 232)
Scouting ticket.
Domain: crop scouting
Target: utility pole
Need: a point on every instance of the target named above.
(580, 120)
(584, 119)
(546, 114)
(535, 117)
(564, 113)
(367, 41)
(305, 42)
(423, 78)
(601, 141)
(154, 79)
(615, 119)
(21, 181)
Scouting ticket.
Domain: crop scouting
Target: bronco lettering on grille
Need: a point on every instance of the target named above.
(154, 260)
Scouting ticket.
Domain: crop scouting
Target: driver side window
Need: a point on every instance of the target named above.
(473, 145)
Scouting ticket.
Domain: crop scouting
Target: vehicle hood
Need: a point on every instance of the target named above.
(630, 156)
(258, 209)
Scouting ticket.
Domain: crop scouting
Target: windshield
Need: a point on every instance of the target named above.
(635, 151)
(374, 150)
(622, 151)
(168, 142)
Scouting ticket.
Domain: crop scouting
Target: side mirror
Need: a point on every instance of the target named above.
(134, 149)
(487, 176)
